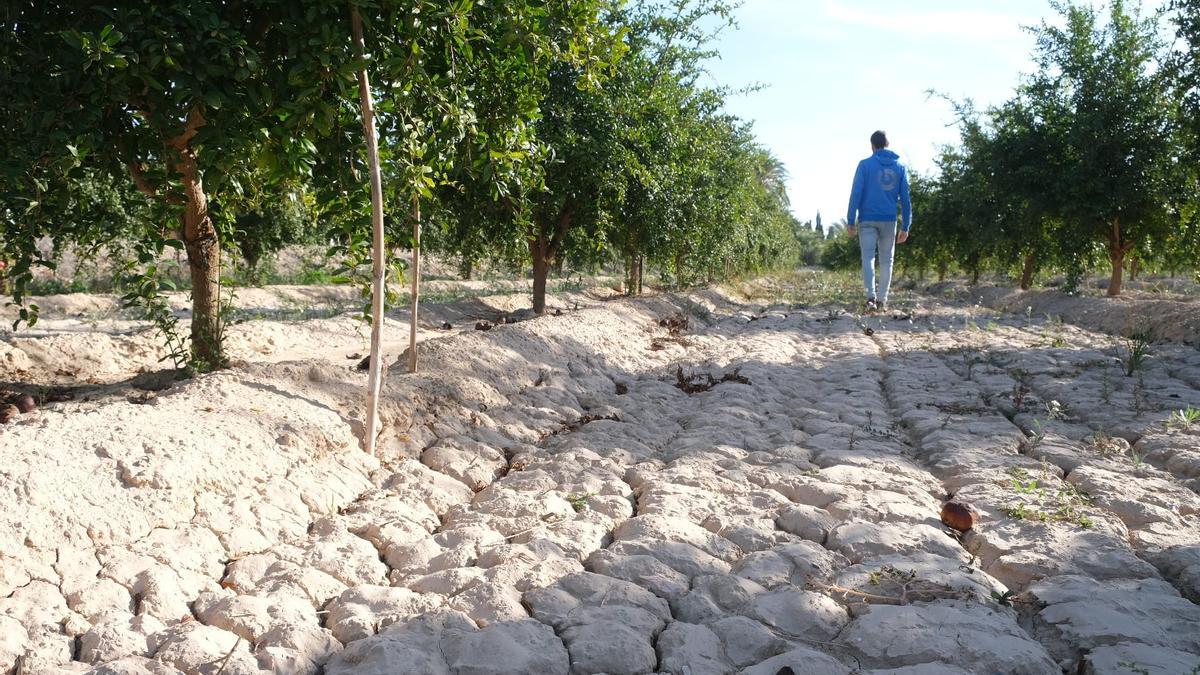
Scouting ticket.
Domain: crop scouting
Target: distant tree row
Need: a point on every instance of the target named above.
(522, 132)
(1096, 158)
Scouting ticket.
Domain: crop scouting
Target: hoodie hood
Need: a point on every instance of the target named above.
(886, 156)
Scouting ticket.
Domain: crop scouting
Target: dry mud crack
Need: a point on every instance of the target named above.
(580, 494)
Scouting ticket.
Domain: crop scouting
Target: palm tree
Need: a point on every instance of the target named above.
(773, 175)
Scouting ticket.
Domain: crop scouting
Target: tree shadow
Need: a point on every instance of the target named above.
(136, 389)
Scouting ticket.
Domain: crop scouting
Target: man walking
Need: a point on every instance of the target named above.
(879, 183)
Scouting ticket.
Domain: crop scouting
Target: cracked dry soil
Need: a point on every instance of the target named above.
(592, 494)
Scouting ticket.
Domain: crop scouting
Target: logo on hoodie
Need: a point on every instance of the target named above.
(889, 179)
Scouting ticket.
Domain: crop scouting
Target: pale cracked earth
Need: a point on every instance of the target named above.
(547, 500)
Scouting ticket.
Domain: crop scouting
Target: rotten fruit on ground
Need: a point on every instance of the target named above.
(25, 403)
(958, 516)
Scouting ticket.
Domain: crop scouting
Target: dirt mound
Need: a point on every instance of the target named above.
(1176, 320)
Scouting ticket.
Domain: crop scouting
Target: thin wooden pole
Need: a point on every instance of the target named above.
(416, 284)
(377, 243)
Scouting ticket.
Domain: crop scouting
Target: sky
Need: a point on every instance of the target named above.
(835, 71)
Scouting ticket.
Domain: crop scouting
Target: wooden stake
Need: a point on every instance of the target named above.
(416, 284)
(378, 271)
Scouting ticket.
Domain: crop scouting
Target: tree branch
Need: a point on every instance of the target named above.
(140, 180)
(565, 215)
(195, 120)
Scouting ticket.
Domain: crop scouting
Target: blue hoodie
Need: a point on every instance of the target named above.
(879, 183)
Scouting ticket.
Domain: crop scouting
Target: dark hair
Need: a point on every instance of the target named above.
(879, 140)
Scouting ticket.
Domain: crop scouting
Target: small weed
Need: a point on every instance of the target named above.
(1133, 351)
(970, 361)
(315, 276)
(1106, 444)
(569, 285)
(1005, 599)
(992, 325)
(1033, 437)
(1028, 488)
(1068, 512)
(1068, 501)
(1141, 401)
(831, 314)
(1055, 411)
(1106, 386)
(693, 383)
(579, 501)
(1184, 418)
(1058, 342)
(675, 324)
(1018, 512)
(1137, 459)
(1065, 513)
(1021, 388)
(891, 586)
(1022, 482)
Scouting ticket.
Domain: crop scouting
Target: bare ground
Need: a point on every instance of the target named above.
(611, 491)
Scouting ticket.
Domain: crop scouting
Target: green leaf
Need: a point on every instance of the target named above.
(74, 38)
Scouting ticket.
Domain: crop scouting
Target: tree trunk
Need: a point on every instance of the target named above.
(416, 284)
(641, 269)
(1027, 272)
(466, 267)
(630, 275)
(942, 268)
(1134, 267)
(541, 270)
(1116, 256)
(543, 251)
(204, 264)
(679, 270)
(378, 269)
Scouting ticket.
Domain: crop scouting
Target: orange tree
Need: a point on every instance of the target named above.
(178, 100)
(1099, 87)
(179, 105)
(635, 161)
